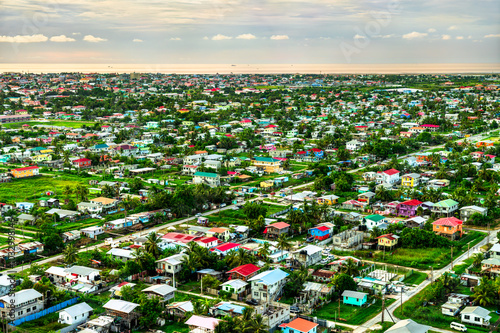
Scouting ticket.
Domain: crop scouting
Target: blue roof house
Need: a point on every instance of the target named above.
(354, 297)
(266, 286)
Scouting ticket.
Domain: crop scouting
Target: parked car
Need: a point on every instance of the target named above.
(252, 301)
(198, 214)
(310, 239)
(458, 326)
(222, 205)
(294, 309)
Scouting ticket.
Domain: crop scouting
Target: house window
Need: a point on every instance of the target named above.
(466, 317)
(477, 319)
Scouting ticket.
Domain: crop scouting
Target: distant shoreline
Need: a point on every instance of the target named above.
(335, 69)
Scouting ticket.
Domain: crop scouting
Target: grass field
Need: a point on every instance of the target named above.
(460, 269)
(415, 278)
(421, 258)
(351, 314)
(175, 327)
(66, 123)
(431, 314)
(33, 188)
(229, 216)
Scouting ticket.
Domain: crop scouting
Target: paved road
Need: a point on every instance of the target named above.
(416, 290)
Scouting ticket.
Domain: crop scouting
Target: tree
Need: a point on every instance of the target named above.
(152, 244)
(283, 243)
(484, 293)
(253, 210)
(343, 282)
(477, 259)
(150, 310)
(350, 267)
(70, 254)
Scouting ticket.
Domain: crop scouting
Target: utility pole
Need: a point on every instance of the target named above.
(383, 307)
(401, 300)
(432, 274)
(488, 235)
(451, 258)
(468, 249)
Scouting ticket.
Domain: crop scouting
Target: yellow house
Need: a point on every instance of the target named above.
(25, 172)
(387, 241)
(328, 200)
(187, 123)
(267, 183)
(41, 158)
(220, 233)
(410, 180)
(269, 164)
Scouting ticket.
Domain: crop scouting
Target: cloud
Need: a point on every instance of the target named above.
(246, 36)
(389, 36)
(205, 38)
(221, 37)
(414, 34)
(431, 30)
(61, 39)
(76, 33)
(459, 37)
(137, 40)
(453, 27)
(92, 39)
(359, 37)
(176, 38)
(24, 39)
(279, 37)
(446, 37)
(492, 36)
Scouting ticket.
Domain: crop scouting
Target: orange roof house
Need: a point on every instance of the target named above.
(449, 227)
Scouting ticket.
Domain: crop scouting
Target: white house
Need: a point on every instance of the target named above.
(267, 285)
(121, 254)
(75, 314)
(92, 232)
(390, 176)
(475, 315)
(25, 302)
(354, 145)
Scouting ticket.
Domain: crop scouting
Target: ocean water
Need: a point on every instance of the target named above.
(257, 68)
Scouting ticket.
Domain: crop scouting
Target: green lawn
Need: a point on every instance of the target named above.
(415, 278)
(175, 327)
(34, 188)
(460, 269)
(229, 216)
(351, 314)
(67, 123)
(421, 258)
(431, 314)
(385, 326)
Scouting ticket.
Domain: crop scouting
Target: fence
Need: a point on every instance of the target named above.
(284, 211)
(44, 312)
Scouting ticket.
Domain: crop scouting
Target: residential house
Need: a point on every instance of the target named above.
(475, 315)
(170, 265)
(266, 286)
(445, 207)
(320, 232)
(299, 325)
(180, 309)
(449, 227)
(121, 254)
(225, 249)
(375, 220)
(25, 172)
(202, 324)
(408, 326)
(410, 180)
(243, 272)
(82, 163)
(387, 241)
(75, 314)
(108, 205)
(366, 197)
(277, 229)
(211, 179)
(390, 176)
(235, 286)
(92, 232)
(454, 304)
(307, 256)
(220, 233)
(467, 211)
(408, 208)
(328, 200)
(21, 304)
(354, 298)
(268, 164)
(124, 310)
(415, 222)
(164, 291)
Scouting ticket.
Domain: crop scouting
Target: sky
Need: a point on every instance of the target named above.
(250, 31)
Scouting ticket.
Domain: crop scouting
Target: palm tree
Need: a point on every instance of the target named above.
(478, 259)
(264, 251)
(484, 293)
(283, 243)
(151, 244)
(67, 191)
(257, 325)
(70, 254)
(350, 267)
